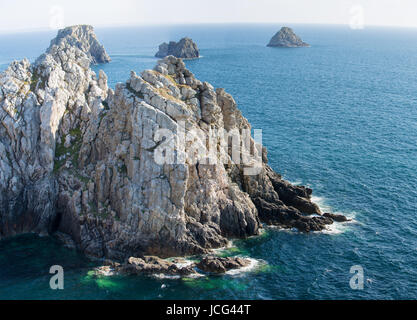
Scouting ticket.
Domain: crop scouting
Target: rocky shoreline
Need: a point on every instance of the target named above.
(77, 159)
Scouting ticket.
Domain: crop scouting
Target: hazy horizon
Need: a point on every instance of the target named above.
(25, 15)
(283, 24)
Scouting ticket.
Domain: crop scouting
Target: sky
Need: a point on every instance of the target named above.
(30, 15)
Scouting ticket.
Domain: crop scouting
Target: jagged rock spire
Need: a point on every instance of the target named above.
(83, 38)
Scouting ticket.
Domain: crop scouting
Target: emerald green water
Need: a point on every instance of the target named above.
(28, 276)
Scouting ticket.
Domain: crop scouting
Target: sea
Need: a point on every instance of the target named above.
(339, 117)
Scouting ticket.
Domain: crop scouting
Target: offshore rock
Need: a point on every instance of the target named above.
(286, 38)
(185, 48)
(83, 38)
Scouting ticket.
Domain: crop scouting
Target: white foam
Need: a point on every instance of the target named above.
(105, 271)
(321, 202)
(294, 183)
(176, 277)
(181, 262)
(281, 229)
(336, 227)
(253, 265)
(188, 59)
(165, 276)
(195, 275)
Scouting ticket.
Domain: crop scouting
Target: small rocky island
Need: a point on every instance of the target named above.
(286, 38)
(83, 38)
(185, 49)
(77, 161)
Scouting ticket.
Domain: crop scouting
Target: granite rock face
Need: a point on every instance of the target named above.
(83, 38)
(286, 38)
(80, 159)
(39, 103)
(185, 48)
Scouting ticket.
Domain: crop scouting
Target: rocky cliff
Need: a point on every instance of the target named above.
(185, 48)
(286, 38)
(84, 160)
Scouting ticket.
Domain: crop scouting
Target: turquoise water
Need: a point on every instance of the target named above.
(340, 117)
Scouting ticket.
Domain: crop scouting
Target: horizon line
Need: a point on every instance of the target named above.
(103, 26)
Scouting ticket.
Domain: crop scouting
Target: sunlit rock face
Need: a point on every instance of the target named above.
(39, 104)
(83, 38)
(135, 170)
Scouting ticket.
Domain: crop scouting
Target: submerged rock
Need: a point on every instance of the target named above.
(79, 158)
(185, 48)
(286, 38)
(336, 217)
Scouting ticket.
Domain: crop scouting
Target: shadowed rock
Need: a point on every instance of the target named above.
(336, 217)
(185, 48)
(286, 38)
(215, 264)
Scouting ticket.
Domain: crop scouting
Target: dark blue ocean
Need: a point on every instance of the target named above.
(340, 117)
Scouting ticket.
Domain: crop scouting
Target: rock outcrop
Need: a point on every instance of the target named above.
(185, 49)
(336, 217)
(286, 38)
(151, 265)
(213, 264)
(84, 160)
(83, 38)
